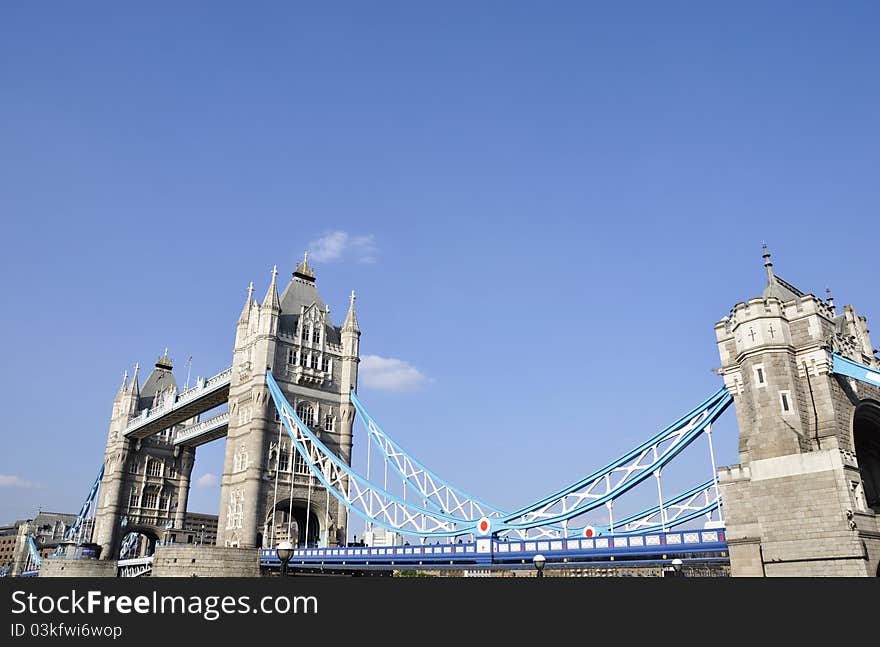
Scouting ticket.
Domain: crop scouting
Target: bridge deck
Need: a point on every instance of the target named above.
(203, 432)
(492, 551)
(206, 395)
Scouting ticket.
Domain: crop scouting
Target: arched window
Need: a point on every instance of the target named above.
(134, 500)
(151, 500)
(306, 413)
(299, 464)
(314, 361)
(235, 509)
(240, 462)
(284, 459)
(154, 468)
(305, 331)
(316, 334)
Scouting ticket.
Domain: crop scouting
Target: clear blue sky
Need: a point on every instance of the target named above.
(545, 208)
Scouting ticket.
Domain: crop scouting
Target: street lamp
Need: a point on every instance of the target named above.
(676, 566)
(284, 551)
(539, 561)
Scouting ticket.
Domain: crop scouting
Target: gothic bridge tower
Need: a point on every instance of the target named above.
(805, 497)
(146, 482)
(267, 493)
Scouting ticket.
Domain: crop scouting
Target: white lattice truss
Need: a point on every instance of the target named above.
(617, 478)
(698, 502)
(135, 567)
(429, 487)
(367, 499)
(432, 489)
(456, 512)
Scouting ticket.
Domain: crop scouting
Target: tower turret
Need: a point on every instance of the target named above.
(785, 502)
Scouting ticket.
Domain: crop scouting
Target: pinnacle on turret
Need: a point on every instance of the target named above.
(164, 361)
(246, 310)
(271, 300)
(134, 387)
(303, 271)
(351, 322)
(124, 381)
(829, 297)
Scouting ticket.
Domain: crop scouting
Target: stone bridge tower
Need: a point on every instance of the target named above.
(146, 482)
(805, 498)
(267, 493)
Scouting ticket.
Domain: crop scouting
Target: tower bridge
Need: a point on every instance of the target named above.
(804, 499)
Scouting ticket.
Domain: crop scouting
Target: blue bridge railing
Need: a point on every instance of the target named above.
(494, 551)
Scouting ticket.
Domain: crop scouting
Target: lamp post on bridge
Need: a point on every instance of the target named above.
(539, 561)
(284, 551)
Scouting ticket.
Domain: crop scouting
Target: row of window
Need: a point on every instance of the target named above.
(311, 331)
(150, 500)
(308, 360)
(154, 468)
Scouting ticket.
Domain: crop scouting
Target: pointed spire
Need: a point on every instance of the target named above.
(271, 299)
(829, 297)
(303, 271)
(246, 310)
(351, 322)
(767, 263)
(133, 387)
(124, 381)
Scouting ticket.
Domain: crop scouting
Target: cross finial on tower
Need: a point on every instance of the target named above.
(303, 270)
(352, 298)
(767, 264)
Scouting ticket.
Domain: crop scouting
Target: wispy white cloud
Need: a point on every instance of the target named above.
(208, 480)
(8, 480)
(342, 246)
(390, 374)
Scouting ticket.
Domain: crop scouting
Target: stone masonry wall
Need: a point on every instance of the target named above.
(206, 561)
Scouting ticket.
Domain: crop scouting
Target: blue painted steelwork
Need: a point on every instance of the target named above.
(427, 483)
(622, 526)
(366, 499)
(676, 437)
(36, 560)
(485, 552)
(128, 545)
(75, 527)
(843, 366)
(376, 504)
(432, 487)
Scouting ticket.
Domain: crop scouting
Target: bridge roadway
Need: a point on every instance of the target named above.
(635, 548)
(204, 396)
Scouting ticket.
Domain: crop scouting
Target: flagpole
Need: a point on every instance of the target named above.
(188, 368)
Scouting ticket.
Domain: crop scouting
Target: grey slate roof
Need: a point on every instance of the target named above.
(158, 380)
(781, 289)
(302, 292)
